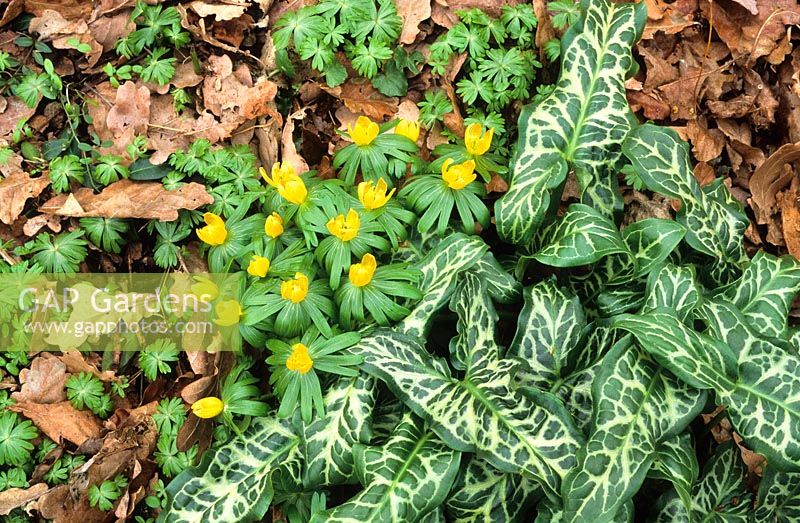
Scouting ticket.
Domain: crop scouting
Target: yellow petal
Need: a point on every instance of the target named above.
(273, 226)
(459, 175)
(361, 273)
(229, 312)
(299, 360)
(214, 233)
(259, 266)
(208, 407)
(294, 190)
(408, 129)
(364, 132)
(295, 290)
(476, 140)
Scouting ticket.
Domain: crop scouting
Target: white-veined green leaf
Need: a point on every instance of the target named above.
(637, 404)
(582, 237)
(765, 292)
(675, 461)
(581, 124)
(440, 269)
(778, 497)
(714, 224)
(329, 440)
(233, 482)
(502, 287)
(404, 479)
(761, 391)
(674, 287)
(548, 512)
(483, 494)
(721, 495)
(651, 241)
(481, 412)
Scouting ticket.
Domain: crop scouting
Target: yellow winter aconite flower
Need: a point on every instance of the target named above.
(299, 360)
(214, 233)
(205, 289)
(459, 175)
(229, 312)
(345, 228)
(258, 266)
(477, 140)
(408, 129)
(273, 227)
(364, 132)
(208, 407)
(374, 196)
(361, 273)
(290, 186)
(295, 290)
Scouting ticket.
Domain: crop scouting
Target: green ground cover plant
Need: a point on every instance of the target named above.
(415, 346)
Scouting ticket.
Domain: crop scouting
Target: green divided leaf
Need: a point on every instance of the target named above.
(404, 479)
(233, 482)
(714, 223)
(329, 441)
(581, 125)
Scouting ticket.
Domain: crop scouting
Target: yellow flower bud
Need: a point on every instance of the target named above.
(345, 228)
(258, 266)
(214, 233)
(374, 196)
(273, 227)
(361, 273)
(459, 175)
(205, 289)
(476, 140)
(290, 186)
(295, 290)
(364, 132)
(408, 129)
(208, 407)
(299, 360)
(229, 312)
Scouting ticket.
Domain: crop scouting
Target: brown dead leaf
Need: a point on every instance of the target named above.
(220, 11)
(61, 421)
(491, 7)
(53, 27)
(412, 12)
(231, 95)
(17, 497)
(107, 30)
(497, 185)
(790, 215)
(170, 131)
(38, 222)
(545, 30)
(773, 176)
(129, 115)
(704, 173)
(750, 5)
(15, 190)
(707, 144)
(288, 149)
(362, 98)
(15, 112)
(43, 382)
(129, 199)
(69, 9)
(669, 18)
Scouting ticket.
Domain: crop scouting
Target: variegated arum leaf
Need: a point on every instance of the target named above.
(714, 223)
(483, 494)
(721, 495)
(675, 461)
(761, 389)
(440, 269)
(547, 512)
(233, 482)
(637, 405)
(580, 125)
(583, 236)
(404, 479)
(651, 241)
(765, 292)
(502, 286)
(674, 287)
(481, 412)
(778, 497)
(329, 440)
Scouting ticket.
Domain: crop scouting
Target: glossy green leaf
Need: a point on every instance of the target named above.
(580, 125)
(778, 497)
(651, 241)
(404, 479)
(502, 286)
(674, 287)
(675, 461)
(329, 440)
(233, 482)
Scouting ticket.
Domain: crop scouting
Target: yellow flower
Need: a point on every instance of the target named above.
(374, 197)
(361, 273)
(214, 233)
(290, 186)
(299, 360)
(208, 407)
(476, 140)
(258, 266)
(295, 290)
(364, 132)
(205, 289)
(408, 129)
(345, 228)
(273, 227)
(229, 312)
(459, 175)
